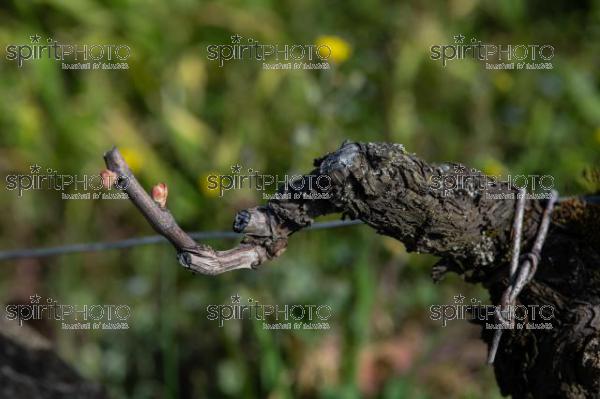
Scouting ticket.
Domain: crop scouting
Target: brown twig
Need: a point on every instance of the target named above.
(264, 239)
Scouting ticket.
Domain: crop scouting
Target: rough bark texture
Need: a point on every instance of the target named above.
(397, 194)
(391, 190)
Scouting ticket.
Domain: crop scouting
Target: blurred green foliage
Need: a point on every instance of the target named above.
(178, 117)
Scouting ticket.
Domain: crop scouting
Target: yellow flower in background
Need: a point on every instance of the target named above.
(208, 184)
(503, 81)
(597, 135)
(340, 49)
(191, 72)
(133, 157)
(492, 167)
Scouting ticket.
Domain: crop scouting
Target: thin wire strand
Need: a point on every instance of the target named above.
(148, 240)
(527, 267)
(517, 232)
(157, 239)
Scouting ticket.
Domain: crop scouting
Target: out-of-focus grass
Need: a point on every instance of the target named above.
(179, 117)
